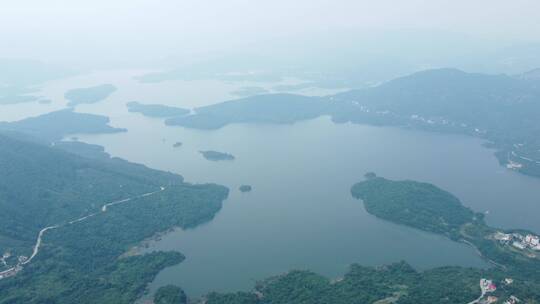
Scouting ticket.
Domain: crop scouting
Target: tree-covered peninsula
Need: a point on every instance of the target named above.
(156, 110)
(429, 208)
(83, 215)
(54, 126)
(514, 272)
(89, 95)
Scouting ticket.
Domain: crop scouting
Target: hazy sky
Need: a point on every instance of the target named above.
(72, 29)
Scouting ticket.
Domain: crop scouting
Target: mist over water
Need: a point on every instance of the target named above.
(300, 213)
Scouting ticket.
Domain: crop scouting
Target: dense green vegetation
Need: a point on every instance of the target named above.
(501, 109)
(94, 260)
(415, 204)
(99, 238)
(56, 125)
(216, 156)
(43, 186)
(232, 298)
(170, 294)
(396, 283)
(89, 95)
(273, 108)
(426, 207)
(51, 280)
(89, 261)
(85, 150)
(76, 257)
(156, 110)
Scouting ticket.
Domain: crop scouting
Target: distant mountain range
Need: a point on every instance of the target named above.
(502, 109)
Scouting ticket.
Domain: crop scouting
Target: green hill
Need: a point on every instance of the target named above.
(83, 261)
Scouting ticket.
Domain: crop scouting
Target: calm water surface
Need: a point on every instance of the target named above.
(300, 213)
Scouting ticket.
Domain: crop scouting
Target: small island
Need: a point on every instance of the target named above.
(216, 156)
(156, 110)
(177, 144)
(89, 95)
(245, 188)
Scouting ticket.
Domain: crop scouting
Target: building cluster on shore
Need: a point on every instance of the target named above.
(488, 287)
(512, 300)
(5, 256)
(513, 165)
(519, 241)
(10, 272)
(13, 270)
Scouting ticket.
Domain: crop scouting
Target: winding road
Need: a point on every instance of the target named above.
(482, 294)
(483, 256)
(37, 246)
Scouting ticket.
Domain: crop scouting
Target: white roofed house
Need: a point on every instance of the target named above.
(503, 237)
(22, 259)
(517, 236)
(532, 240)
(518, 245)
(512, 300)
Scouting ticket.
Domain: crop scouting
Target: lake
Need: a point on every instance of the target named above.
(300, 214)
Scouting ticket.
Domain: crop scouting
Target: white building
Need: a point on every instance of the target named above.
(532, 240)
(487, 285)
(512, 300)
(502, 236)
(518, 245)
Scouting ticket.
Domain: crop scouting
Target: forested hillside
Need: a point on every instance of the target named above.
(78, 261)
(500, 108)
(56, 125)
